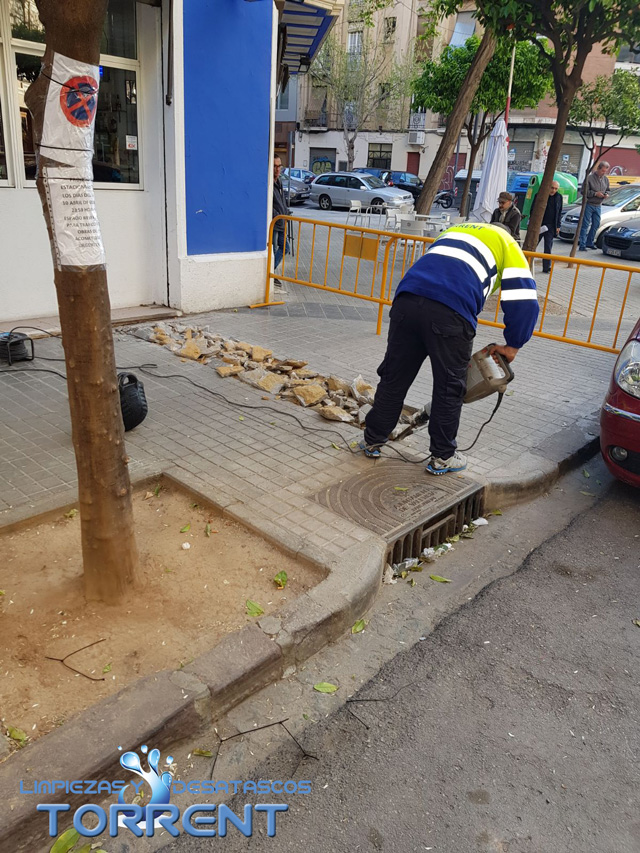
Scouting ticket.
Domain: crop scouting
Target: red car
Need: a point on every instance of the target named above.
(620, 415)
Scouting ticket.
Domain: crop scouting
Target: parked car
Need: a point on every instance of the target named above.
(407, 181)
(299, 174)
(623, 241)
(339, 189)
(620, 414)
(623, 204)
(299, 191)
(383, 174)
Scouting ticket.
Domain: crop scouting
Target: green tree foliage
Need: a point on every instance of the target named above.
(570, 30)
(437, 88)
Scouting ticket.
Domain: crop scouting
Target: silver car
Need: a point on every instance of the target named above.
(339, 189)
(299, 174)
(623, 203)
(298, 190)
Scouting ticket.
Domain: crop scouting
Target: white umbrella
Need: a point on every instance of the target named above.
(494, 173)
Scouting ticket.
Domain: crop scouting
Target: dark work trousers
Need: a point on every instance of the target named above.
(420, 327)
(548, 236)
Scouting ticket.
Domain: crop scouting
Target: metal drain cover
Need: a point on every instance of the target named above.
(392, 498)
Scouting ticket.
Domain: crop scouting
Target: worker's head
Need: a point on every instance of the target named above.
(555, 186)
(602, 168)
(277, 167)
(505, 200)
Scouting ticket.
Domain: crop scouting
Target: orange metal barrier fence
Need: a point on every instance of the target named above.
(366, 263)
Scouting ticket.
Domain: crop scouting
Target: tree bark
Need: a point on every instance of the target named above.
(540, 203)
(455, 121)
(110, 556)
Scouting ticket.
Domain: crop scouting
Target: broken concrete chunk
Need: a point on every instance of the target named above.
(261, 378)
(305, 373)
(260, 353)
(230, 369)
(362, 391)
(334, 383)
(295, 363)
(363, 412)
(309, 394)
(232, 359)
(335, 413)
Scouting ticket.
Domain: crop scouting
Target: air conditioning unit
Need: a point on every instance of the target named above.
(416, 137)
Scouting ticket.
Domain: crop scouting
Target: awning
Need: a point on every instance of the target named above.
(308, 24)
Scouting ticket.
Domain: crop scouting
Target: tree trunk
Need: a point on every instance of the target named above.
(473, 153)
(73, 30)
(455, 121)
(540, 203)
(351, 149)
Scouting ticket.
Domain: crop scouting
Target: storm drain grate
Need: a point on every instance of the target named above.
(408, 508)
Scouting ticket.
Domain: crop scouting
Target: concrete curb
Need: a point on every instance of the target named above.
(536, 471)
(171, 705)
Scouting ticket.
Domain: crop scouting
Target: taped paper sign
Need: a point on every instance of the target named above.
(70, 109)
(67, 145)
(74, 220)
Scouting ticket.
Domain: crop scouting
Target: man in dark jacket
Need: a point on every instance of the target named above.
(279, 229)
(551, 221)
(506, 213)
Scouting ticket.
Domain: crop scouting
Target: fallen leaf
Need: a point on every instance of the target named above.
(455, 538)
(207, 530)
(411, 581)
(2, 592)
(107, 668)
(205, 753)
(400, 488)
(588, 494)
(17, 734)
(358, 626)
(280, 580)
(636, 622)
(86, 848)
(195, 506)
(305, 716)
(253, 608)
(334, 445)
(157, 490)
(71, 514)
(66, 841)
(585, 473)
(325, 687)
(240, 418)
(495, 512)
(353, 444)
(439, 579)
(417, 568)
(186, 528)
(148, 495)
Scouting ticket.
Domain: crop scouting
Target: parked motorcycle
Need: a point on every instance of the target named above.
(444, 199)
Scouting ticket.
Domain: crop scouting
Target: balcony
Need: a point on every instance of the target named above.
(417, 121)
(315, 120)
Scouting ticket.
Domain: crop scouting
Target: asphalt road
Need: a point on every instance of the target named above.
(512, 727)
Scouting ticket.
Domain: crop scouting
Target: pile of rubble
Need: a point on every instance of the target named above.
(334, 399)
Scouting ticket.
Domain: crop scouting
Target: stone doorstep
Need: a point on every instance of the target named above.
(119, 317)
(166, 707)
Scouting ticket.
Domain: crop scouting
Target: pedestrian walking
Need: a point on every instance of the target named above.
(550, 223)
(596, 189)
(280, 207)
(435, 314)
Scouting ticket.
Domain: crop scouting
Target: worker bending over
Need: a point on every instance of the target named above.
(435, 314)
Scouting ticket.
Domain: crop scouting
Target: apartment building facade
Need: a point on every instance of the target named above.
(319, 140)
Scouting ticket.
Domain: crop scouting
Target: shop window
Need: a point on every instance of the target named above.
(379, 155)
(116, 134)
(25, 21)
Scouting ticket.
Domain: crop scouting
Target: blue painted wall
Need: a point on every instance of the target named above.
(227, 83)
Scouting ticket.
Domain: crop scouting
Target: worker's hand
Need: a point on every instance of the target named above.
(508, 352)
(557, 231)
